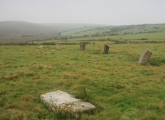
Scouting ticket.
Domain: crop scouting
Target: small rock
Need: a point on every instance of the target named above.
(57, 46)
(41, 46)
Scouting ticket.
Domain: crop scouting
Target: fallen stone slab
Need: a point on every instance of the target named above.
(60, 101)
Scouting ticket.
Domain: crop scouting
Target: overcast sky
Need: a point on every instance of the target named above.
(111, 12)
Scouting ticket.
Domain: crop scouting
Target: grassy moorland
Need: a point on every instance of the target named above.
(120, 87)
(115, 30)
(125, 33)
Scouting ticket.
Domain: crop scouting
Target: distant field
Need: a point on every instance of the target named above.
(116, 83)
(130, 33)
(116, 30)
(130, 38)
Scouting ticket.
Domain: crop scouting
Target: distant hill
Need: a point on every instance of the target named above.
(19, 31)
(115, 30)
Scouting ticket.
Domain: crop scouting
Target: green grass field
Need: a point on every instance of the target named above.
(159, 37)
(126, 33)
(120, 87)
(115, 30)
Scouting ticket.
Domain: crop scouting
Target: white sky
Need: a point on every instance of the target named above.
(111, 12)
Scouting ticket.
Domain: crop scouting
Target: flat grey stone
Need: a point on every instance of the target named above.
(62, 101)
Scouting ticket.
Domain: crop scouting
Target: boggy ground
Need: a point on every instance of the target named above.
(115, 82)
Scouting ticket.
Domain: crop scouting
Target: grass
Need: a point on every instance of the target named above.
(115, 82)
(132, 38)
(147, 33)
(115, 30)
(127, 33)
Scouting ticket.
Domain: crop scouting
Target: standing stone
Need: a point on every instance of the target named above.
(57, 46)
(145, 57)
(106, 49)
(82, 46)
